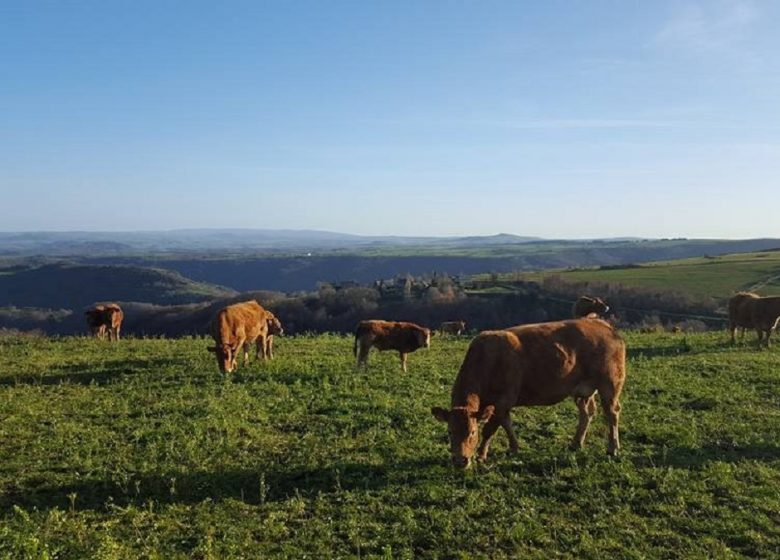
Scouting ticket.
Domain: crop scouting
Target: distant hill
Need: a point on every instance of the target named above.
(287, 273)
(65, 286)
(213, 240)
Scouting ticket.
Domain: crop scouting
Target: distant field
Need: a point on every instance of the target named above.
(142, 450)
(716, 277)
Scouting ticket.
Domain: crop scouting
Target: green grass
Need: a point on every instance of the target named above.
(142, 450)
(716, 277)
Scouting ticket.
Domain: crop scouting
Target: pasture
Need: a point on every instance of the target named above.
(716, 277)
(142, 449)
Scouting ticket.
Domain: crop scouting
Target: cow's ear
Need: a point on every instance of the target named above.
(486, 413)
(441, 414)
(212, 348)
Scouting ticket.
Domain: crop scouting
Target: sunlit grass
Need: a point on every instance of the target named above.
(142, 449)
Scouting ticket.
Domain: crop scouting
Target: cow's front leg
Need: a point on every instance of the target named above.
(239, 346)
(269, 347)
(487, 433)
(260, 347)
(506, 423)
(403, 356)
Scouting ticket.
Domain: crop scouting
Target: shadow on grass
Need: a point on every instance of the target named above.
(249, 486)
(699, 457)
(81, 374)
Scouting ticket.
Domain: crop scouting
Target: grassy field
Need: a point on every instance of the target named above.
(142, 450)
(706, 276)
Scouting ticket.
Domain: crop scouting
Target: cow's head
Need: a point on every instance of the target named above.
(599, 306)
(225, 357)
(595, 305)
(424, 338)
(463, 426)
(274, 325)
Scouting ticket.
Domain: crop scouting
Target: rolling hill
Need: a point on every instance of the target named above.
(66, 286)
(717, 276)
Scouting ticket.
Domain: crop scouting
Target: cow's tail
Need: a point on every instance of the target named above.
(355, 345)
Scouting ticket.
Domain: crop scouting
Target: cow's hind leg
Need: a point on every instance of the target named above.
(587, 408)
(610, 402)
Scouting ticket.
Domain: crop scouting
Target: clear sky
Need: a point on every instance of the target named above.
(557, 118)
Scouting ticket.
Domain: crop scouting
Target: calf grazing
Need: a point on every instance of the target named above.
(105, 319)
(237, 326)
(587, 305)
(274, 327)
(453, 327)
(389, 335)
(534, 365)
(764, 314)
(740, 313)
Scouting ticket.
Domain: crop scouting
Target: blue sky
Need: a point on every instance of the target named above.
(587, 118)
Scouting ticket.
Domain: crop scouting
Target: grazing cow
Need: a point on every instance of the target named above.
(453, 327)
(740, 313)
(105, 319)
(237, 326)
(534, 365)
(389, 335)
(587, 305)
(274, 327)
(764, 315)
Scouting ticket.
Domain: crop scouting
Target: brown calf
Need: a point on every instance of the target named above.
(274, 327)
(105, 319)
(237, 326)
(389, 335)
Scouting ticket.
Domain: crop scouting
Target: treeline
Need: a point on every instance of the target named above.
(424, 300)
(325, 310)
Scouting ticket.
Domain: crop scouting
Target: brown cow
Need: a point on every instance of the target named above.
(237, 326)
(740, 313)
(105, 319)
(453, 327)
(587, 305)
(764, 313)
(274, 327)
(534, 365)
(389, 335)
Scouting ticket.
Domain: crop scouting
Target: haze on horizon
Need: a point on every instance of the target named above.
(558, 119)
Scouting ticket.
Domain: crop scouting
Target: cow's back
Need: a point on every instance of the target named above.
(240, 319)
(542, 363)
